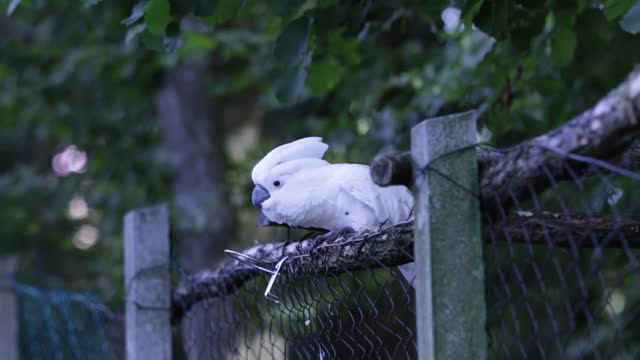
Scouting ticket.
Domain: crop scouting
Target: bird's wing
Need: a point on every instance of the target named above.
(390, 204)
(356, 182)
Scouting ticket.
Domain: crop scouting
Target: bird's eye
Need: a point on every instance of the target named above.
(276, 183)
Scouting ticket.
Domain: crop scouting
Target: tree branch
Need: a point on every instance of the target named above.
(568, 230)
(390, 246)
(393, 246)
(606, 131)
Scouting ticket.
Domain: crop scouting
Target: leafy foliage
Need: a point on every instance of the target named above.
(75, 85)
(360, 73)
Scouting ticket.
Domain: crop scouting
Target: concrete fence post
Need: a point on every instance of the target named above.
(147, 281)
(9, 325)
(450, 304)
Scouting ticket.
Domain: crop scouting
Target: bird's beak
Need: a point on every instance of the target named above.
(259, 195)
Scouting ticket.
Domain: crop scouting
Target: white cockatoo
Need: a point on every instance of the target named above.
(295, 187)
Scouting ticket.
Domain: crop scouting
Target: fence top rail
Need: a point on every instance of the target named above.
(389, 246)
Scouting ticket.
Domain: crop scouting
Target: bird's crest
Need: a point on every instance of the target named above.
(305, 148)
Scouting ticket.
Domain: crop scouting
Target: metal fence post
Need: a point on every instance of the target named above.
(147, 281)
(9, 347)
(450, 304)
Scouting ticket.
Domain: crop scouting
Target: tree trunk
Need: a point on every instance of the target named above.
(203, 217)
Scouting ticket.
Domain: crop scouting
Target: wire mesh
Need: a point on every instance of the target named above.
(365, 314)
(562, 264)
(562, 280)
(319, 305)
(60, 325)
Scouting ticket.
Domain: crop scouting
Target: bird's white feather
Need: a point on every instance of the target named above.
(310, 147)
(314, 193)
(306, 191)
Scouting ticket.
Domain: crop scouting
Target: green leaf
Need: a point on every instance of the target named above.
(153, 41)
(565, 18)
(546, 85)
(493, 18)
(529, 26)
(631, 21)
(291, 45)
(205, 7)
(288, 88)
(563, 46)
(615, 8)
(196, 7)
(287, 6)
(324, 75)
(347, 50)
(136, 14)
(225, 10)
(197, 44)
(160, 42)
(434, 8)
(157, 15)
(470, 11)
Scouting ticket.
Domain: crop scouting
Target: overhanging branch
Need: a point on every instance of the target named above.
(607, 131)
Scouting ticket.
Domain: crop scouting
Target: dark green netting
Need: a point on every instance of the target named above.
(60, 325)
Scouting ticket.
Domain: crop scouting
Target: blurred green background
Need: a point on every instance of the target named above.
(108, 106)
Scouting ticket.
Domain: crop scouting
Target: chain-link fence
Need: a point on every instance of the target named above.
(562, 281)
(339, 299)
(563, 278)
(560, 220)
(557, 218)
(56, 324)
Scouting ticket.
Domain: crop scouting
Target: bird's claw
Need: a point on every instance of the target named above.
(333, 234)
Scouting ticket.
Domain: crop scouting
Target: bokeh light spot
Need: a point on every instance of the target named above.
(70, 160)
(85, 237)
(78, 208)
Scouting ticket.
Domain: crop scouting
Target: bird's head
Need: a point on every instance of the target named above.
(275, 176)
